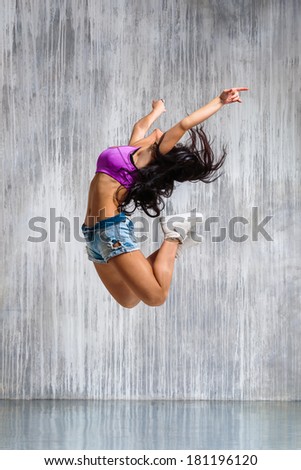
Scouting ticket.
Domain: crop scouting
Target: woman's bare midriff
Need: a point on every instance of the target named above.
(101, 201)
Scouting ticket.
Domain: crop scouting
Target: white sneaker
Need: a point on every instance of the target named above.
(179, 225)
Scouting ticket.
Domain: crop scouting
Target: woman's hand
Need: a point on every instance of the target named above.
(231, 95)
(159, 105)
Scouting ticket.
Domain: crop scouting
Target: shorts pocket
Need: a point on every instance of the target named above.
(89, 236)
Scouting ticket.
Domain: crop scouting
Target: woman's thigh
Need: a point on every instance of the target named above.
(116, 285)
(136, 271)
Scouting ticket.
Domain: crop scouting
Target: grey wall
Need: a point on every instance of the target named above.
(75, 75)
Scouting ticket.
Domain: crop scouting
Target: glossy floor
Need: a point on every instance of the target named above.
(112, 424)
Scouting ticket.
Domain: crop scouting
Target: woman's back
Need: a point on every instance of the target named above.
(101, 202)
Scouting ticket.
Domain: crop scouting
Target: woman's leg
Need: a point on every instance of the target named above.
(152, 257)
(148, 279)
(116, 285)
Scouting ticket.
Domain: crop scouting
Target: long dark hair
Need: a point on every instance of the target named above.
(192, 161)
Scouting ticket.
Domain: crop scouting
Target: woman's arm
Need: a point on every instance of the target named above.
(202, 114)
(142, 126)
(173, 135)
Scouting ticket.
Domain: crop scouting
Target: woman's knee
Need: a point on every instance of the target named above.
(129, 304)
(150, 300)
(155, 300)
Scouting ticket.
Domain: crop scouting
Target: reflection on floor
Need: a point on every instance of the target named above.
(117, 424)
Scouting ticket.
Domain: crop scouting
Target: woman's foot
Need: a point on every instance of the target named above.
(179, 226)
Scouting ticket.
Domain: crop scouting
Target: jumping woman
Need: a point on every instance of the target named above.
(142, 173)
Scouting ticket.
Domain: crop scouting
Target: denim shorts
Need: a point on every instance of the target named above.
(109, 237)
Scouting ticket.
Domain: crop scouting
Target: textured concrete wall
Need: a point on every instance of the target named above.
(75, 75)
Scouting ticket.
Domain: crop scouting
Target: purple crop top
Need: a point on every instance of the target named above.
(114, 160)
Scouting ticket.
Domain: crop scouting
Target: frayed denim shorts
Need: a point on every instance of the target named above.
(109, 237)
